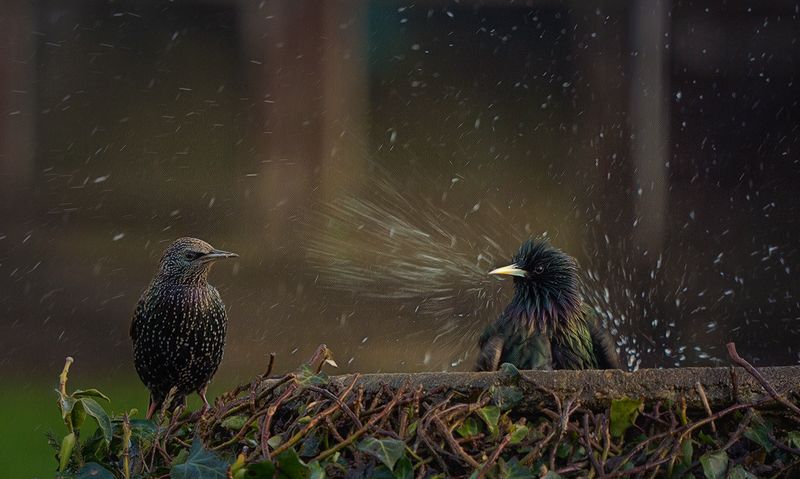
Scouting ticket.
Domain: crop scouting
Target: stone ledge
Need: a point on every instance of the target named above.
(598, 387)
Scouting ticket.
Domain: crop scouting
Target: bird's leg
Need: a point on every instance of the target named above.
(151, 408)
(202, 394)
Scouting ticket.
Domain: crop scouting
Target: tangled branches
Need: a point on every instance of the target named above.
(306, 425)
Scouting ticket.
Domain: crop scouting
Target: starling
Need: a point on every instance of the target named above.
(178, 327)
(547, 325)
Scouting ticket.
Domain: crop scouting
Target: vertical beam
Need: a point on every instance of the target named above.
(649, 100)
(17, 73)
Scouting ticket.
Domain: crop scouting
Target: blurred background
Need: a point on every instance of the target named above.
(655, 141)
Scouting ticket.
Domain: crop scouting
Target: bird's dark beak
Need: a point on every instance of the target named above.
(216, 254)
(510, 270)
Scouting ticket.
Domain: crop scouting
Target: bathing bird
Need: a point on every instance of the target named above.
(178, 327)
(547, 325)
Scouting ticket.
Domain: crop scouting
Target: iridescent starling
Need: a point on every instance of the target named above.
(178, 328)
(547, 325)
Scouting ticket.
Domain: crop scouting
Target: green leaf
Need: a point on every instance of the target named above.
(509, 370)
(551, 475)
(200, 464)
(92, 470)
(506, 397)
(65, 453)
(388, 451)
(468, 428)
(65, 403)
(234, 423)
(758, 432)
(99, 414)
(307, 377)
(518, 433)
(317, 471)
(687, 448)
(403, 469)
(739, 472)
(275, 441)
(794, 439)
(78, 415)
(491, 416)
(260, 470)
(290, 466)
(86, 393)
(706, 440)
(514, 470)
(143, 429)
(714, 465)
(623, 414)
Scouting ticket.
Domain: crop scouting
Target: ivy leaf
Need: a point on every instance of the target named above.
(66, 403)
(687, 448)
(714, 465)
(739, 472)
(623, 414)
(759, 432)
(518, 433)
(468, 428)
(143, 429)
(490, 415)
(307, 377)
(88, 393)
(403, 469)
(317, 471)
(388, 451)
(93, 470)
(506, 397)
(65, 453)
(200, 464)
(234, 423)
(99, 414)
(290, 466)
(514, 470)
(794, 439)
(260, 470)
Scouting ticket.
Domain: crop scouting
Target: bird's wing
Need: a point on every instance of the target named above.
(603, 344)
(490, 354)
(137, 315)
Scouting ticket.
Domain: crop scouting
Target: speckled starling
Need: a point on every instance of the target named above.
(178, 328)
(547, 325)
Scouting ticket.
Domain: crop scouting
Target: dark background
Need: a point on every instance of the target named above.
(656, 142)
(629, 135)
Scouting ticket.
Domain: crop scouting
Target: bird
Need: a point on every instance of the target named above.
(178, 326)
(547, 325)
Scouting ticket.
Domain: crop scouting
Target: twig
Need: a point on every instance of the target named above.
(702, 392)
(454, 445)
(495, 456)
(764, 383)
(589, 448)
(316, 419)
(350, 439)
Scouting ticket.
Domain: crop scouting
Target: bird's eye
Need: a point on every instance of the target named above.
(539, 269)
(190, 255)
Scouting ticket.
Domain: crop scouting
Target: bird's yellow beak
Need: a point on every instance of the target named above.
(510, 270)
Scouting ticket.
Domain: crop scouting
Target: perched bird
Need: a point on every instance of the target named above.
(547, 325)
(178, 327)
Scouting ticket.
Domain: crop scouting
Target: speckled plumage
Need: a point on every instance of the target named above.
(546, 325)
(178, 327)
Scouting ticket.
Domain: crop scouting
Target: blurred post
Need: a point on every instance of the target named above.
(17, 68)
(308, 75)
(649, 97)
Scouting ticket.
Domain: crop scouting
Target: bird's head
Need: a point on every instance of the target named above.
(188, 260)
(545, 281)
